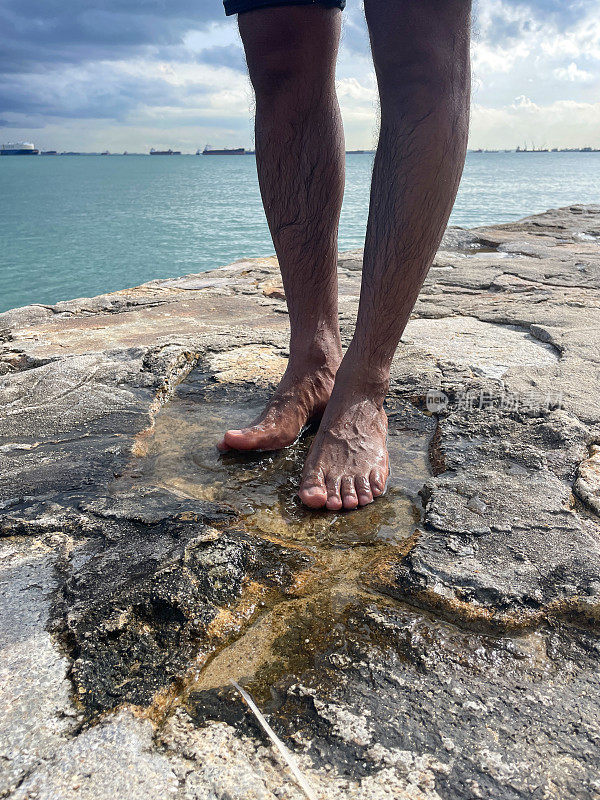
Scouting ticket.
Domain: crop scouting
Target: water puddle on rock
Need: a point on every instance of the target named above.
(181, 456)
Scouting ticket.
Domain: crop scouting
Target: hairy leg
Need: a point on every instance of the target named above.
(291, 53)
(421, 56)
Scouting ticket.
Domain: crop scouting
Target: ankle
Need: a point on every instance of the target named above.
(362, 378)
(321, 354)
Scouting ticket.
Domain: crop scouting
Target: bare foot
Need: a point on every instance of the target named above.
(347, 465)
(300, 398)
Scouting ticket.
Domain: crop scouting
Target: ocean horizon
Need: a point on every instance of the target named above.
(77, 226)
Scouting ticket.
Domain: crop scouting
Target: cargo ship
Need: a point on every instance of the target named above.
(154, 152)
(19, 149)
(209, 151)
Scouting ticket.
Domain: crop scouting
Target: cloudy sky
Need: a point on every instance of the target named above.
(132, 74)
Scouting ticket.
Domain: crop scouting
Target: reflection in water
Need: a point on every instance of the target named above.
(182, 457)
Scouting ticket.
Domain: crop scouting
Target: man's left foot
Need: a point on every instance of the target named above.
(348, 464)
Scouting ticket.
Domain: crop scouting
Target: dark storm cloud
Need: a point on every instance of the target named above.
(106, 95)
(38, 33)
(39, 39)
(42, 40)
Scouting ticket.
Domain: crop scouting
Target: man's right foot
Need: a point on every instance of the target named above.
(300, 398)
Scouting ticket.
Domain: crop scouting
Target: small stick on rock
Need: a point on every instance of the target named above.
(287, 756)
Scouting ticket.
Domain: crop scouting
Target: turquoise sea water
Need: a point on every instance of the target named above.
(75, 226)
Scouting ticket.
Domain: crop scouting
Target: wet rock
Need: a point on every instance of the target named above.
(154, 568)
(215, 761)
(458, 714)
(502, 543)
(150, 506)
(141, 598)
(83, 393)
(108, 516)
(500, 581)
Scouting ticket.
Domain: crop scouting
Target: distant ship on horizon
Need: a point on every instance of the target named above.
(209, 151)
(169, 152)
(19, 149)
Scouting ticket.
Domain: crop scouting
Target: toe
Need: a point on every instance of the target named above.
(254, 439)
(377, 482)
(348, 492)
(312, 491)
(258, 438)
(334, 500)
(251, 439)
(363, 490)
(244, 439)
(222, 446)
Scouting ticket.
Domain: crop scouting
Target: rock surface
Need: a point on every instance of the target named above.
(441, 643)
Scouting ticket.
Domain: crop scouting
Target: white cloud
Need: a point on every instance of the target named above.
(573, 73)
(564, 123)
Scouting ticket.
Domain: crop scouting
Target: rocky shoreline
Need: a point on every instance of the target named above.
(442, 643)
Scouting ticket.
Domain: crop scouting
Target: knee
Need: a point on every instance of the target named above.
(277, 71)
(420, 66)
(289, 49)
(419, 46)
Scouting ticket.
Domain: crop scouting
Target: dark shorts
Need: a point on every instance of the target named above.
(239, 6)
